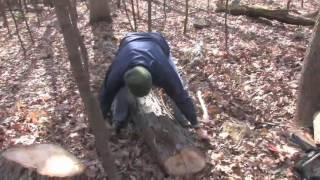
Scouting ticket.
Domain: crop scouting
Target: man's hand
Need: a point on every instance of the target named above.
(201, 133)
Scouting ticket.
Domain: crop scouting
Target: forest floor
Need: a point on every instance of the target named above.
(255, 85)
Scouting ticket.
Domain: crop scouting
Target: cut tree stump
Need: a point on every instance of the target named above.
(172, 145)
(280, 15)
(40, 162)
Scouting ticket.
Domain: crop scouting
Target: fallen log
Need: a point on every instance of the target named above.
(40, 162)
(173, 146)
(280, 15)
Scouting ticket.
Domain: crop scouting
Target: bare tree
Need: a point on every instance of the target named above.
(100, 11)
(309, 90)
(48, 3)
(96, 122)
(26, 22)
(134, 16)
(138, 11)
(4, 16)
(164, 13)
(226, 28)
(17, 28)
(25, 4)
(186, 18)
(288, 4)
(149, 16)
(127, 14)
(37, 10)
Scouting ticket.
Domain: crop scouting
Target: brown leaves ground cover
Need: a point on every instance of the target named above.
(255, 85)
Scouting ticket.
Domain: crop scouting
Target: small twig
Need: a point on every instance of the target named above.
(205, 116)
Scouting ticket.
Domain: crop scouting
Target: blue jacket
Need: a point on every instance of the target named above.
(151, 51)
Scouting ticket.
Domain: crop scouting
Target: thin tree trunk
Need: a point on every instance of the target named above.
(208, 5)
(96, 122)
(4, 16)
(26, 22)
(118, 3)
(165, 13)
(100, 11)
(25, 4)
(134, 16)
(149, 16)
(36, 7)
(84, 53)
(186, 18)
(127, 14)
(309, 90)
(288, 4)
(17, 28)
(138, 7)
(302, 3)
(226, 28)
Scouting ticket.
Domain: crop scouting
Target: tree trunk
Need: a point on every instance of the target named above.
(26, 22)
(127, 14)
(226, 28)
(96, 122)
(3, 14)
(100, 11)
(17, 28)
(149, 16)
(48, 3)
(134, 15)
(288, 4)
(40, 162)
(138, 11)
(186, 18)
(256, 12)
(309, 90)
(172, 145)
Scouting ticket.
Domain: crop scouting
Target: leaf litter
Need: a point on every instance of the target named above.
(256, 85)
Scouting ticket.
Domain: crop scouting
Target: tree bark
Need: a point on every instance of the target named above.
(17, 28)
(39, 162)
(173, 146)
(138, 11)
(3, 14)
(256, 12)
(186, 18)
(149, 16)
(100, 11)
(26, 22)
(96, 122)
(127, 14)
(309, 90)
(134, 15)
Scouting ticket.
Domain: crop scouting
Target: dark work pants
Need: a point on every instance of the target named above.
(120, 107)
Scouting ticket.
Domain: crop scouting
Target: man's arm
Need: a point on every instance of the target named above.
(174, 88)
(111, 85)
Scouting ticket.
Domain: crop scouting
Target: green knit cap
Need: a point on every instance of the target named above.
(138, 80)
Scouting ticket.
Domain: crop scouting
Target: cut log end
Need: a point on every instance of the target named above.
(41, 161)
(187, 161)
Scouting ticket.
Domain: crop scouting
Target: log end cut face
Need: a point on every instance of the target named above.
(188, 161)
(47, 159)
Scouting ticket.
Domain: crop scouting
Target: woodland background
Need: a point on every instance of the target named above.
(251, 81)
